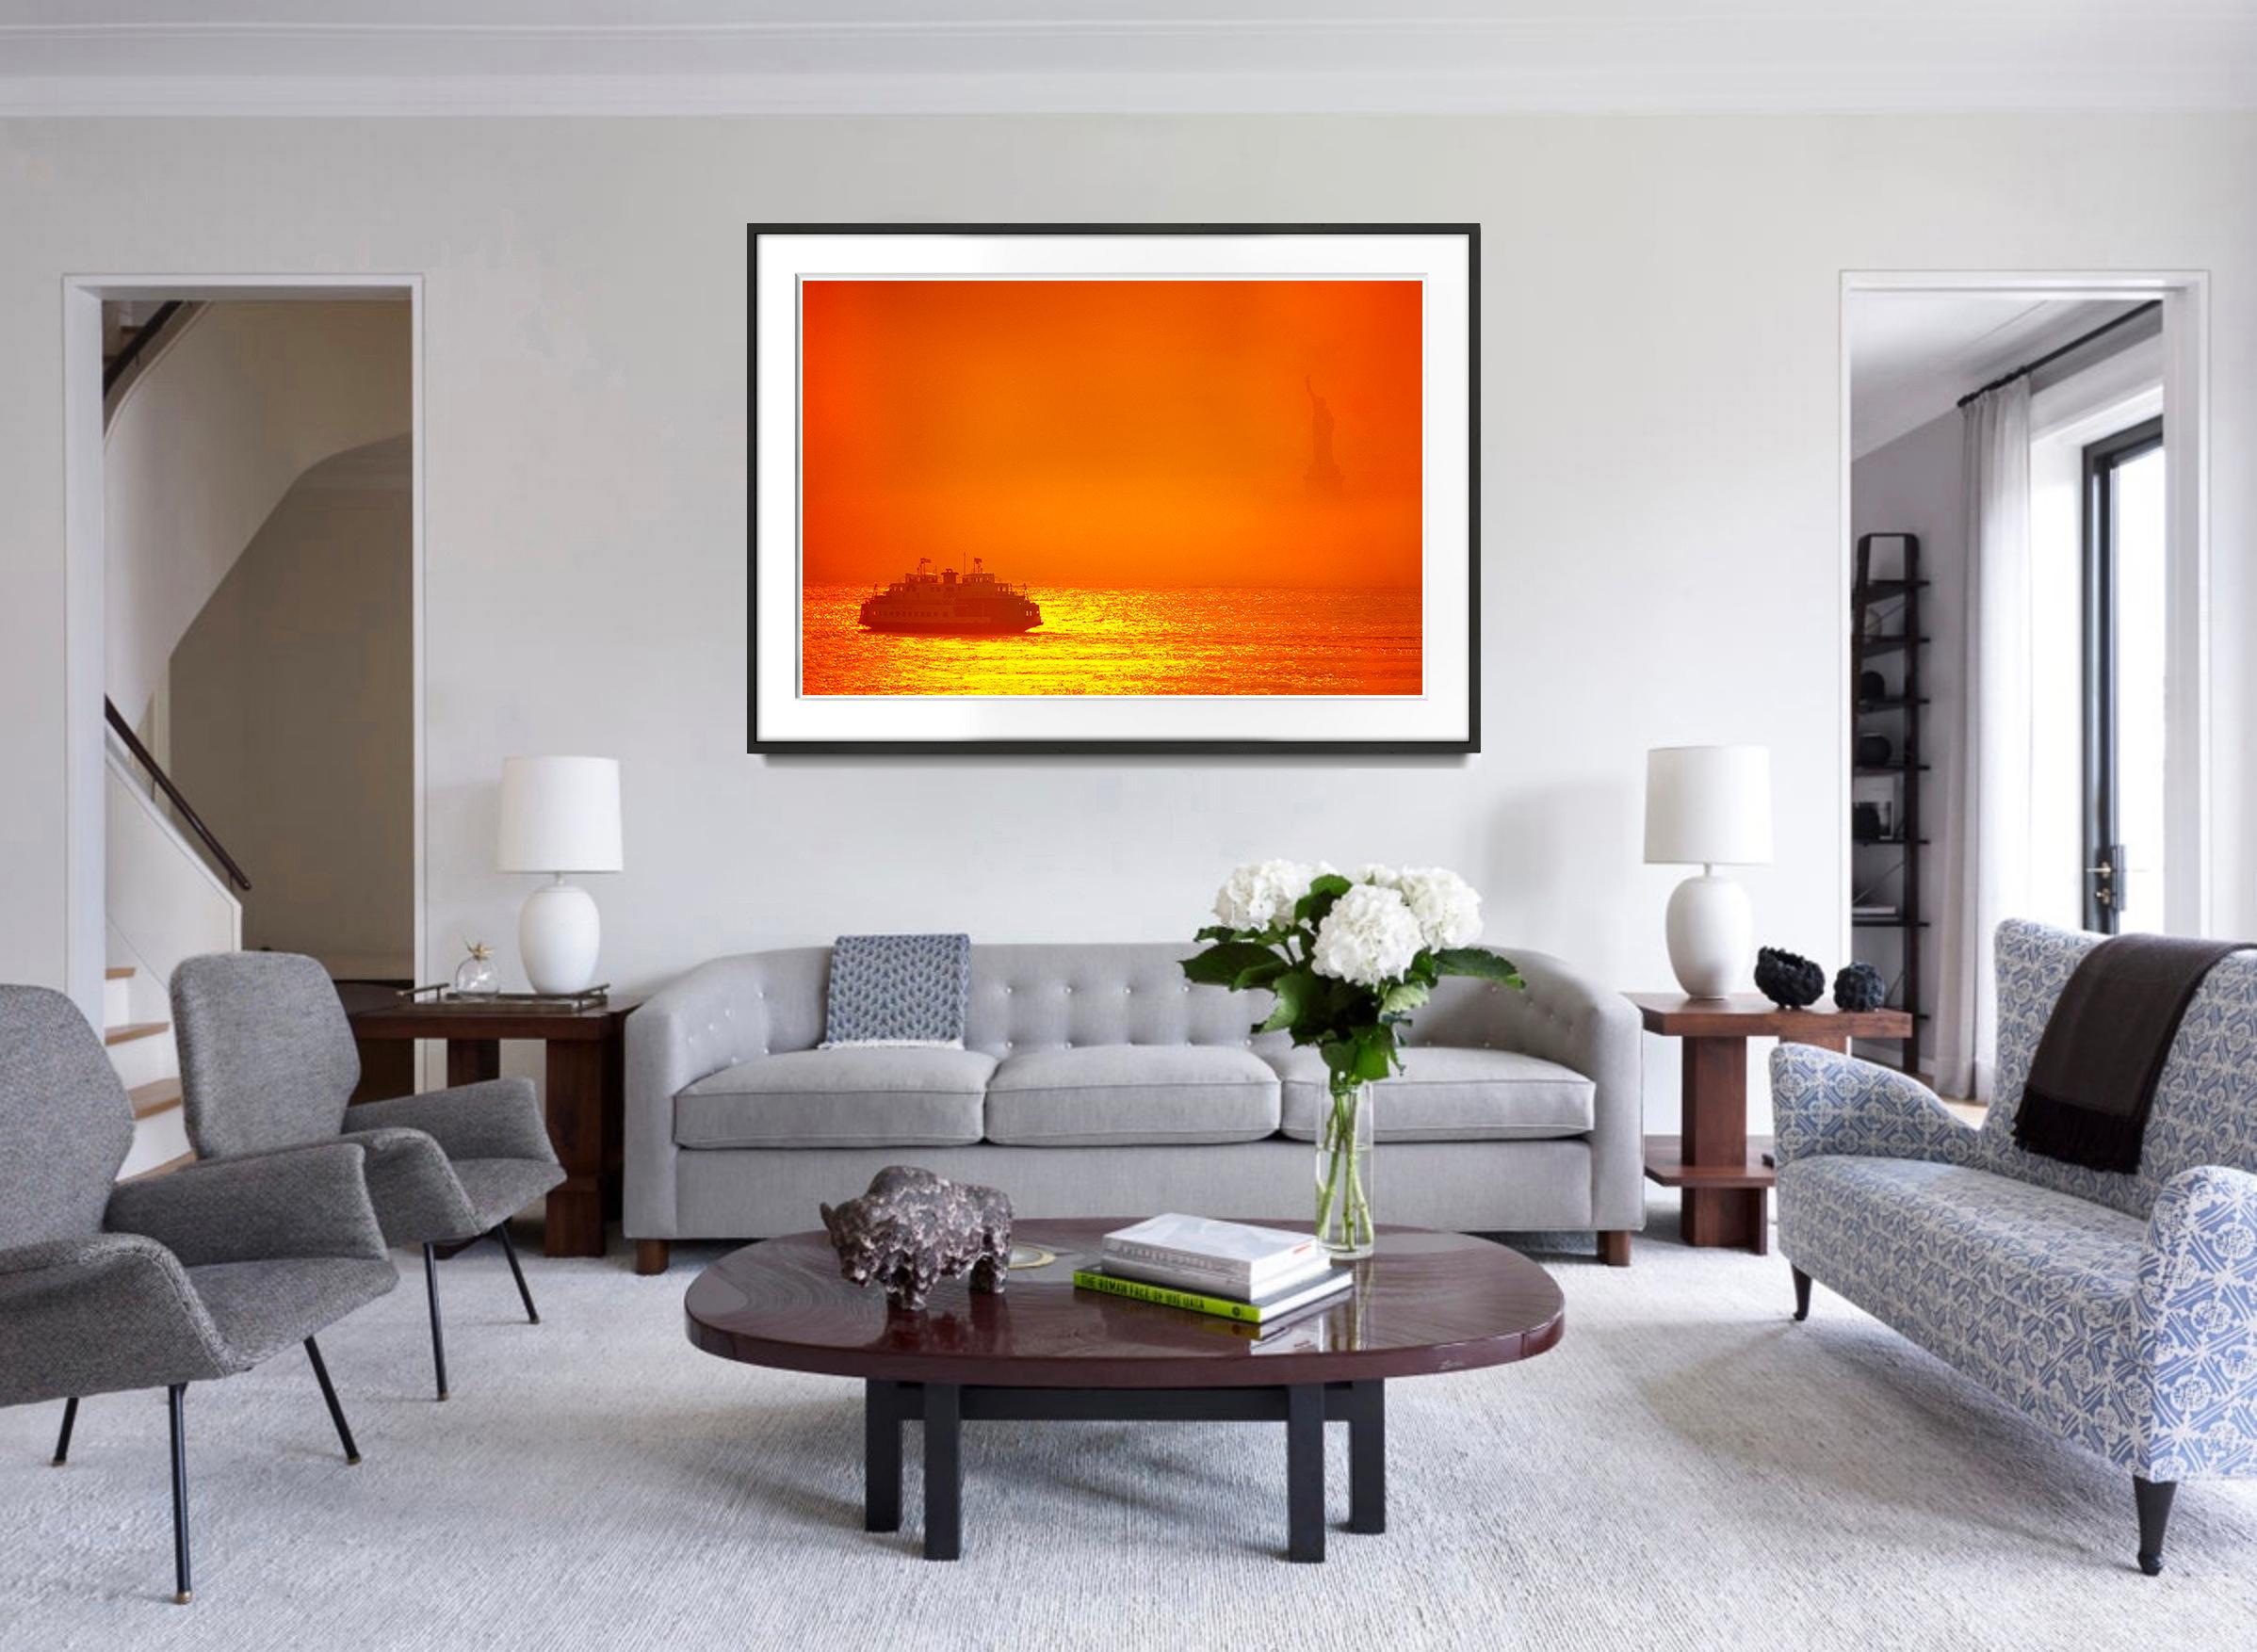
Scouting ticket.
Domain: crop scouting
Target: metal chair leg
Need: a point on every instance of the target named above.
(63, 1441)
(508, 1248)
(431, 1286)
(328, 1393)
(180, 1494)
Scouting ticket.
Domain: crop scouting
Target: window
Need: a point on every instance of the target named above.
(2125, 874)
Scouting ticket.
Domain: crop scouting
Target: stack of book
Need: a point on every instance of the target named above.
(1259, 1276)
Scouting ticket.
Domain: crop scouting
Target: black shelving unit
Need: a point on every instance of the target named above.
(1885, 635)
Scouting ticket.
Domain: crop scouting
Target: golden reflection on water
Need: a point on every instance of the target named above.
(1215, 640)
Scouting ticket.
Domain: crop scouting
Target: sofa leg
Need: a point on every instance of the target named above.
(652, 1255)
(1613, 1246)
(1802, 1295)
(2154, 1499)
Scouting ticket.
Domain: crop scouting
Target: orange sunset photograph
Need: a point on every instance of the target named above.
(1111, 487)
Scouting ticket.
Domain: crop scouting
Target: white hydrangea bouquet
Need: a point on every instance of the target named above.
(1345, 959)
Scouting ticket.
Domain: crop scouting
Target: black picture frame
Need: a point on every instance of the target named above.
(1471, 742)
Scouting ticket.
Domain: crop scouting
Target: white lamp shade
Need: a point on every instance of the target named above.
(1707, 805)
(559, 815)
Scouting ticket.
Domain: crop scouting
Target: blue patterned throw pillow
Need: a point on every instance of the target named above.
(899, 990)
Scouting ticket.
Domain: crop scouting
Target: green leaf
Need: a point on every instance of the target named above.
(1219, 965)
(1296, 991)
(1323, 891)
(1479, 962)
(1375, 1055)
(1219, 933)
(1407, 995)
(1260, 975)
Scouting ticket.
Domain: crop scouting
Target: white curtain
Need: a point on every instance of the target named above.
(1986, 825)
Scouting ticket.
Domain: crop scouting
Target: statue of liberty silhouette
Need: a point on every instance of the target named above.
(1323, 476)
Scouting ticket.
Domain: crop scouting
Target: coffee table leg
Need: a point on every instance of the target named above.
(943, 1472)
(1305, 1471)
(881, 1456)
(1368, 1457)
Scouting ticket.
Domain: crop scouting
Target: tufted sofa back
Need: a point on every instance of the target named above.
(2205, 1103)
(1044, 997)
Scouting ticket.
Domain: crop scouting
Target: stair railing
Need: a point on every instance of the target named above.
(142, 756)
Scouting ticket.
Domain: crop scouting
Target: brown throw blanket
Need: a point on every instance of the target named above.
(2093, 1079)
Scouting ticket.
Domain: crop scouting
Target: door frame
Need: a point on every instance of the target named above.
(85, 943)
(2188, 765)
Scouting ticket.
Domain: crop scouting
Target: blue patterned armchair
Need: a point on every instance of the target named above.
(2119, 1311)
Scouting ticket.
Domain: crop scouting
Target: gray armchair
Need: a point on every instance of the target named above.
(107, 1287)
(267, 1062)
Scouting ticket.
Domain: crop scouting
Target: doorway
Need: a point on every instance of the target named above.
(293, 562)
(2039, 440)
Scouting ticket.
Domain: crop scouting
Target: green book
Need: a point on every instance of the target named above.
(1245, 1313)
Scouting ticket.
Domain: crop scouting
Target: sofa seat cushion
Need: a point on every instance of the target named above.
(2028, 1291)
(1127, 1094)
(1446, 1095)
(873, 1097)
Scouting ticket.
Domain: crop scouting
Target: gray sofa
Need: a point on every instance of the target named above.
(1096, 1081)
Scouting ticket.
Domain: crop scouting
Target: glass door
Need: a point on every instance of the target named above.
(2124, 670)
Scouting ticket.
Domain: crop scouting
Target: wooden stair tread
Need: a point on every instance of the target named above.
(157, 1096)
(119, 972)
(132, 1029)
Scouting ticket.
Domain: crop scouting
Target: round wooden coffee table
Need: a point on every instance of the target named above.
(1427, 1302)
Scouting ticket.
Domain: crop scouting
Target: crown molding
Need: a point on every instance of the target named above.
(32, 97)
(1690, 59)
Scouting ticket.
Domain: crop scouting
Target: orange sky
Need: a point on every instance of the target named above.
(1110, 433)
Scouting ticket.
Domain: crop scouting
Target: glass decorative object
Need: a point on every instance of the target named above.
(476, 977)
(1344, 1172)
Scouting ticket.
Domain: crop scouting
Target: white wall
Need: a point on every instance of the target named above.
(1661, 472)
(292, 724)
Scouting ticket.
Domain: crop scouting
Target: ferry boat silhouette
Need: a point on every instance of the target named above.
(977, 605)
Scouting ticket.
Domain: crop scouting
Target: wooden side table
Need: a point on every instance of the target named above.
(585, 1095)
(1723, 1173)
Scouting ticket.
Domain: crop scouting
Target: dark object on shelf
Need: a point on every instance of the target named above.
(1865, 823)
(445, 998)
(1872, 686)
(1787, 979)
(1888, 569)
(1858, 986)
(912, 1229)
(1875, 750)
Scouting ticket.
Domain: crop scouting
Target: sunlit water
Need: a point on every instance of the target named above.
(1214, 639)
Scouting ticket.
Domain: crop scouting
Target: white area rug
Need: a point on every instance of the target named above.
(1687, 1469)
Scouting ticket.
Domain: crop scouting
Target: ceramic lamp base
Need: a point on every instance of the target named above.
(1712, 936)
(557, 935)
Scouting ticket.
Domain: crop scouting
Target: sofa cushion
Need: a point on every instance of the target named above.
(2028, 1291)
(1445, 1094)
(1122, 1094)
(837, 1098)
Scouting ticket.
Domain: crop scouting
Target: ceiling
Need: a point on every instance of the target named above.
(1912, 355)
(390, 57)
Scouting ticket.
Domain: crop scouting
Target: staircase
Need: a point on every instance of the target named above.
(148, 1062)
(172, 892)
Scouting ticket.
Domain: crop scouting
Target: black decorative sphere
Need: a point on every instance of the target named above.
(1860, 986)
(1788, 980)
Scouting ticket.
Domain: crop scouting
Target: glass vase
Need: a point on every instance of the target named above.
(1344, 1225)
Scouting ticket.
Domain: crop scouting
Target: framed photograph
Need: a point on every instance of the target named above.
(1114, 488)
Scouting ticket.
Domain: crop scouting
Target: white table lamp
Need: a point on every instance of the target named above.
(559, 815)
(1709, 806)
